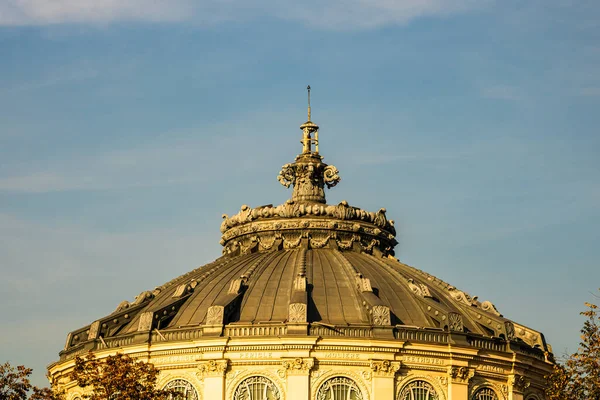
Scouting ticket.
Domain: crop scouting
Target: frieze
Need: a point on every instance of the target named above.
(265, 234)
(422, 360)
(257, 355)
(345, 356)
(175, 359)
(491, 368)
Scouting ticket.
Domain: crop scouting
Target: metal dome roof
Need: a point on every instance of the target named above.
(304, 268)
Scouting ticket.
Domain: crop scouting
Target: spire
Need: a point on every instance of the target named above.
(310, 132)
(308, 89)
(309, 174)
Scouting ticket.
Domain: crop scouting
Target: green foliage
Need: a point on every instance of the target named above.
(118, 377)
(579, 377)
(15, 385)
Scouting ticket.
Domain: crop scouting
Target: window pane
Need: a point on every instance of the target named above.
(184, 389)
(256, 388)
(339, 388)
(485, 394)
(418, 390)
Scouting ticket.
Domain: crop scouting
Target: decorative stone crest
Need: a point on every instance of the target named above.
(381, 315)
(297, 312)
(212, 368)
(455, 322)
(214, 315)
(460, 374)
(384, 367)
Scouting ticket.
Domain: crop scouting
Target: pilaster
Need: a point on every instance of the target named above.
(383, 373)
(458, 382)
(517, 384)
(212, 372)
(297, 371)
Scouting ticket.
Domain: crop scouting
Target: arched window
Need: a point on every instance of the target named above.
(339, 388)
(418, 390)
(256, 388)
(484, 394)
(184, 390)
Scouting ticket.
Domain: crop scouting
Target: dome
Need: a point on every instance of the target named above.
(306, 272)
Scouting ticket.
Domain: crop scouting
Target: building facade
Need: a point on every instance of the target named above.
(309, 302)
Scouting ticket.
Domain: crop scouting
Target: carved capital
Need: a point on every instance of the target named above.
(384, 367)
(297, 366)
(212, 368)
(518, 382)
(460, 374)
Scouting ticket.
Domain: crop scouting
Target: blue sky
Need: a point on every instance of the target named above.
(128, 127)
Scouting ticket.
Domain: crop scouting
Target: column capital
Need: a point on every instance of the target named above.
(384, 368)
(212, 368)
(297, 366)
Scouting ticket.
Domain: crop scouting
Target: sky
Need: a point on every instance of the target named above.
(128, 127)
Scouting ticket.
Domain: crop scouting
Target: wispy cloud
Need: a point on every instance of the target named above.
(336, 14)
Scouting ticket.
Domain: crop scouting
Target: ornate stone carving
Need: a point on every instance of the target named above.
(419, 289)
(297, 366)
(384, 367)
(212, 368)
(215, 315)
(519, 382)
(122, 306)
(330, 176)
(144, 296)
(461, 297)
(381, 315)
(235, 286)
(442, 380)
(287, 175)
(455, 322)
(363, 284)
(145, 323)
(461, 374)
(94, 328)
(297, 312)
(510, 330)
(300, 283)
(489, 307)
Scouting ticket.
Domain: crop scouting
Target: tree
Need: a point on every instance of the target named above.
(118, 377)
(579, 377)
(15, 385)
